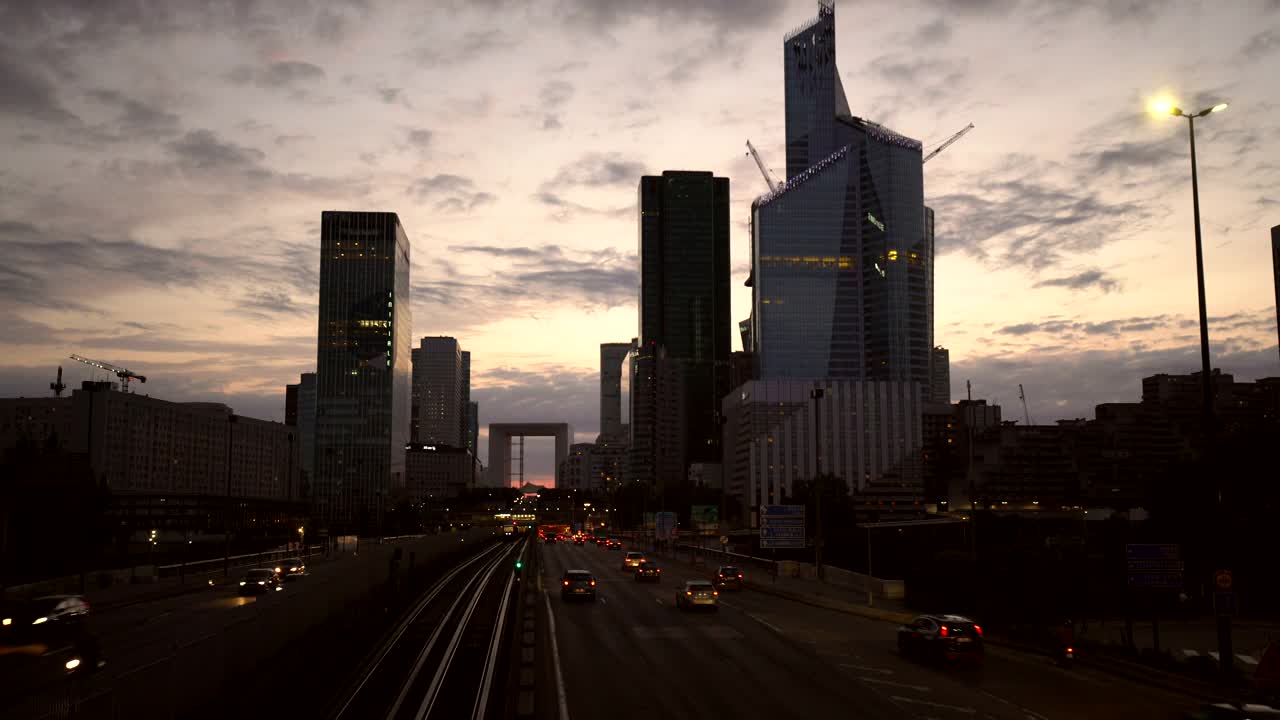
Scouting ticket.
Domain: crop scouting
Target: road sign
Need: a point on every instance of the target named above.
(1159, 580)
(1156, 566)
(782, 526)
(665, 525)
(1222, 580)
(1224, 603)
(705, 517)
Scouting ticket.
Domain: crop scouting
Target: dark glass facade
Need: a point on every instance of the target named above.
(362, 367)
(681, 365)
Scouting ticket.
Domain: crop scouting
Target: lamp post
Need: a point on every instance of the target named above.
(1161, 107)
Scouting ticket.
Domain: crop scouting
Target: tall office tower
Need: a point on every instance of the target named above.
(612, 356)
(1275, 271)
(473, 427)
(437, 391)
(940, 375)
(291, 404)
(842, 252)
(685, 330)
(464, 402)
(300, 412)
(362, 366)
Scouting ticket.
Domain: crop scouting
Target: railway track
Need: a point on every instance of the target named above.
(441, 658)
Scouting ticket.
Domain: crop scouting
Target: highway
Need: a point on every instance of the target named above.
(631, 654)
(170, 655)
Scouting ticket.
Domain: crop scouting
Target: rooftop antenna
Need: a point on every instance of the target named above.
(58, 386)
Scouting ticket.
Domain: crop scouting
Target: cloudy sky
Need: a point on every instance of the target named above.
(165, 166)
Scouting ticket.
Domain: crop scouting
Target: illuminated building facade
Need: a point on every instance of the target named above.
(362, 366)
(438, 379)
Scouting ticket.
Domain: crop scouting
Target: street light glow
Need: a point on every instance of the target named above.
(1162, 105)
(1219, 107)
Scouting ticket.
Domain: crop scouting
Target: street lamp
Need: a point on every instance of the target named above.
(1166, 106)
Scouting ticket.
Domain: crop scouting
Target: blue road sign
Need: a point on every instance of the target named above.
(782, 532)
(782, 543)
(1161, 551)
(1160, 580)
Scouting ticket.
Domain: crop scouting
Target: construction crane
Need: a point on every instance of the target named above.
(57, 386)
(122, 373)
(768, 178)
(1026, 414)
(945, 144)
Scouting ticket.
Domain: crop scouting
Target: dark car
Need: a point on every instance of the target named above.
(261, 580)
(577, 584)
(942, 638)
(601, 541)
(728, 576)
(648, 570)
(45, 639)
(579, 540)
(548, 539)
(614, 543)
(290, 569)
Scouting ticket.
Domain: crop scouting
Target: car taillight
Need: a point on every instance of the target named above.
(978, 629)
(593, 583)
(566, 583)
(1071, 650)
(739, 576)
(721, 574)
(688, 592)
(943, 631)
(715, 592)
(659, 570)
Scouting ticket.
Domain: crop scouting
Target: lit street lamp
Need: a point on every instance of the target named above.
(1166, 106)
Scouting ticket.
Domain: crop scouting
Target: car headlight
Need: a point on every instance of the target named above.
(40, 620)
(73, 663)
(262, 582)
(7, 621)
(277, 569)
(242, 583)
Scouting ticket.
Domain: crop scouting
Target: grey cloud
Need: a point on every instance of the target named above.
(24, 92)
(420, 137)
(390, 95)
(1261, 44)
(452, 193)
(283, 140)
(330, 26)
(556, 93)
(1126, 156)
(600, 170)
(910, 71)
(935, 32)
(723, 15)
(284, 74)
(463, 49)
(1083, 281)
(1063, 328)
(551, 122)
(138, 119)
(203, 150)
(975, 7)
(270, 304)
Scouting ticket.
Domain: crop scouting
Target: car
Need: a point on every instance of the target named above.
(728, 576)
(648, 570)
(260, 580)
(942, 638)
(549, 539)
(698, 593)
(614, 543)
(579, 540)
(601, 541)
(290, 569)
(577, 584)
(632, 559)
(44, 639)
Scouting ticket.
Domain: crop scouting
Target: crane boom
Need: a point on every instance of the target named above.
(946, 143)
(124, 374)
(768, 179)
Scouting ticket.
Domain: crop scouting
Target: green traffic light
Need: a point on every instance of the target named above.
(519, 564)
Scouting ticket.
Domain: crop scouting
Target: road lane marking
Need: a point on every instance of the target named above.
(864, 668)
(940, 706)
(1188, 652)
(1030, 714)
(1246, 659)
(561, 697)
(880, 681)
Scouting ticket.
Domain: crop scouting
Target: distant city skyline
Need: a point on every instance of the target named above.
(159, 210)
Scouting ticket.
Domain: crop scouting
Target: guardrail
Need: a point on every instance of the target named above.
(199, 567)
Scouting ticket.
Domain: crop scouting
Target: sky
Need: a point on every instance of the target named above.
(166, 164)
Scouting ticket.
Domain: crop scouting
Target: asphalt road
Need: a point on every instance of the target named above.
(631, 654)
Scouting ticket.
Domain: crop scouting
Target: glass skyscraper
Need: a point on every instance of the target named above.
(362, 367)
(843, 250)
(681, 365)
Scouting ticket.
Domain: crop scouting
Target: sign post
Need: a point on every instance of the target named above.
(1154, 567)
(782, 526)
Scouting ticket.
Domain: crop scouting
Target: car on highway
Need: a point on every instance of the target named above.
(648, 570)
(728, 576)
(549, 539)
(577, 584)
(632, 559)
(600, 541)
(260, 580)
(579, 540)
(942, 638)
(291, 569)
(613, 543)
(45, 639)
(698, 593)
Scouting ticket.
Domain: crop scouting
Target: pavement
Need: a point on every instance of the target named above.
(763, 654)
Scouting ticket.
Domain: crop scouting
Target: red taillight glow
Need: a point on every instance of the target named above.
(943, 631)
(739, 576)
(593, 583)
(978, 629)
(721, 574)
(566, 583)
(1071, 650)
(688, 592)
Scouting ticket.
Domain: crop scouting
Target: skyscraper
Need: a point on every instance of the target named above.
(685, 328)
(612, 356)
(437, 391)
(464, 402)
(1275, 271)
(473, 427)
(940, 375)
(362, 366)
(300, 412)
(843, 250)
